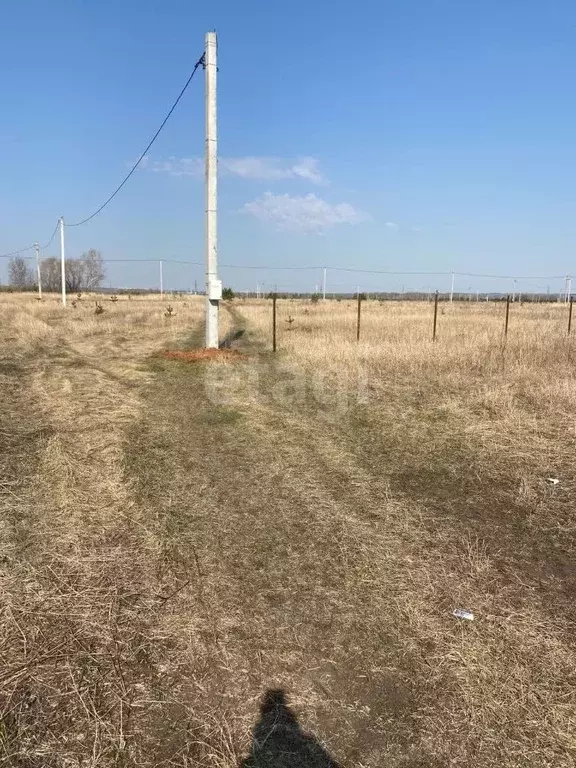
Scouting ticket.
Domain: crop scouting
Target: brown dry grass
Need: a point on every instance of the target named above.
(176, 540)
(462, 435)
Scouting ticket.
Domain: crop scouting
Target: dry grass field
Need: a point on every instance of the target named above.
(181, 541)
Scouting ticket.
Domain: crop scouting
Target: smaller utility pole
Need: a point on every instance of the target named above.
(37, 252)
(62, 261)
(568, 288)
(324, 285)
(514, 290)
(161, 281)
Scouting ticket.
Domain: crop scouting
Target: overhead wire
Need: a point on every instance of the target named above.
(49, 243)
(31, 247)
(16, 253)
(124, 180)
(144, 153)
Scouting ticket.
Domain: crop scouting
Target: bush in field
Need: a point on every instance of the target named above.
(315, 298)
(228, 294)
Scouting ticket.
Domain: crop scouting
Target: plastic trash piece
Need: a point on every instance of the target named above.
(553, 480)
(460, 613)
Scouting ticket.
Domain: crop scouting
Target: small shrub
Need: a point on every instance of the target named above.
(99, 308)
(169, 312)
(228, 294)
(315, 298)
(114, 298)
(290, 321)
(78, 296)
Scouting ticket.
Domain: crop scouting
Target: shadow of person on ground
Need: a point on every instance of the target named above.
(279, 742)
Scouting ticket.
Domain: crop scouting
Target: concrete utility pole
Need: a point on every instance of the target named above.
(452, 289)
(62, 261)
(568, 288)
(161, 281)
(324, 285)
(514, 290)
(37, 252)
(213, 284)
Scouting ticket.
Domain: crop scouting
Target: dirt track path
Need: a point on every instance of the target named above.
(299, 560)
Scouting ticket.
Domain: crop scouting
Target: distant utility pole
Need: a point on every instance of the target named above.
(161, 281)
(213, 284)
(568, 288)
(513, 290)
(37, 252)
(452, 289)
(62, 261)
(324, 285)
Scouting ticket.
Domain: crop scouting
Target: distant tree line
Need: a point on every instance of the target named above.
(86, 273)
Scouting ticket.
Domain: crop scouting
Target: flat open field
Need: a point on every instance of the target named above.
(187, 547)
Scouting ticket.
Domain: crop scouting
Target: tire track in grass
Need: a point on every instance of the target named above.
(278, 532)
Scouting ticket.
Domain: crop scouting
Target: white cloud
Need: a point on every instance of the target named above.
(302, 214)
(250, 167)
(391, 225)
(273, 168)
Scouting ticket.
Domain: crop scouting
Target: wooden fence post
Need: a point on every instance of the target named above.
(435, 316)
(570, 316)
(359, 311)
(507, 315)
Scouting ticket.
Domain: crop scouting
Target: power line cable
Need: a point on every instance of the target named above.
(512, 277)
(300, 268)
(142, 156)
(43, 247)
(16, 253)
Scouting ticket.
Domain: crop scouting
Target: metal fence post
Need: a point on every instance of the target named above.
(274, 297)
(507, 315)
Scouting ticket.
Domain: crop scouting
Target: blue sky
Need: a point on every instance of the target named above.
(409, 135)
